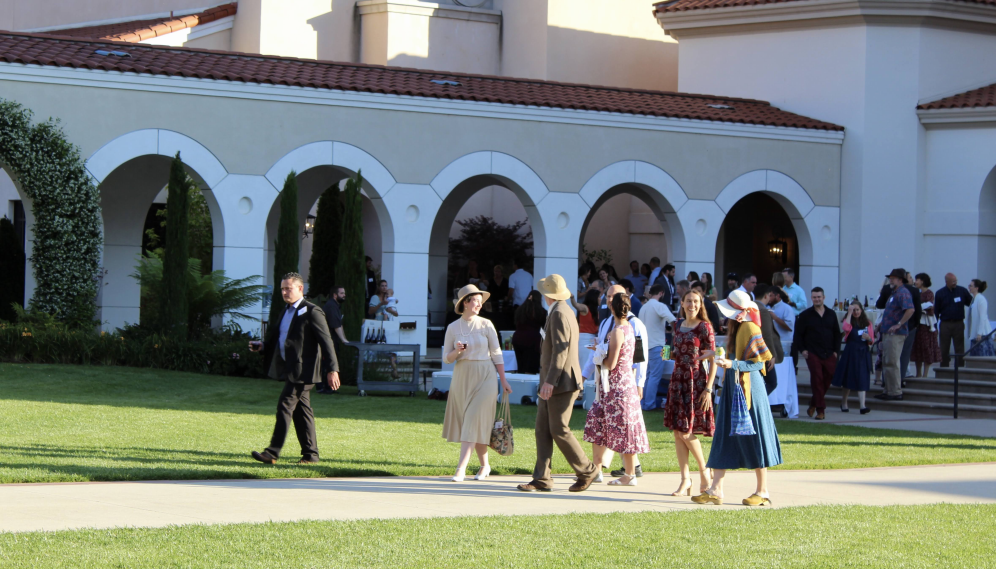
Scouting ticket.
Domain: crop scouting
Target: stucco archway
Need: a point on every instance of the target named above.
(817, 228)
(655, 188)
(455, 184)
(129, 172)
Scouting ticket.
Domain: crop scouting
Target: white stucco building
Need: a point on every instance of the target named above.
(860, 150)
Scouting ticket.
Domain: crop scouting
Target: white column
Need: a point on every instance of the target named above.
(698, 221)
(240, 248)
(409, 211)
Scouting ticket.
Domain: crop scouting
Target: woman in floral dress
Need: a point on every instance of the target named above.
(688, 410)
(926, 348)
(615, 421)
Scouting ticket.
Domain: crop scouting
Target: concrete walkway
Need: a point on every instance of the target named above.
(31, 507)
(907, 422)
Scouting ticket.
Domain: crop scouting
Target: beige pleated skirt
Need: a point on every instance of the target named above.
(470, 405)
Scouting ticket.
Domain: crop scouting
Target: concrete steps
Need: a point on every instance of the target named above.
(934, 395)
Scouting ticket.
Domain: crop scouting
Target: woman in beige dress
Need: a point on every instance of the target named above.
(472, 342)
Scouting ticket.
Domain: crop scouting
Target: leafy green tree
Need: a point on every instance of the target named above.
(208, 295)
(351, 267)
(11, 270)
(287, 247)
(325, 243)
(173, 312)
(200, 232)
(490, 243)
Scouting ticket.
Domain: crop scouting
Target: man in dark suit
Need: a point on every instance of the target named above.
(666, 279)
(299, 351)
(333, 318)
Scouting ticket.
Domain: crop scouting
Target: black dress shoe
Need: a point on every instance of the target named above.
(892, 397)
(845, 410)
(264, 457)
(865, 411)
(882, 395)
(622, 472)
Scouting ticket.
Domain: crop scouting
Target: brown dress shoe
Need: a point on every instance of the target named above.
(811, 411)
(820, 416)
(264, 457)
(582, 484)
(532, 487)
(307, 461)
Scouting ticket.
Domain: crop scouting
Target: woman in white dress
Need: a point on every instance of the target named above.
(472, 342)
(978, 320)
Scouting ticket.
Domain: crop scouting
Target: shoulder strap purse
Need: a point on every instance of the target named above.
(637, 347)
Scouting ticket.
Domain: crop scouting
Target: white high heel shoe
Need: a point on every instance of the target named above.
(459, 477)
(483, 473)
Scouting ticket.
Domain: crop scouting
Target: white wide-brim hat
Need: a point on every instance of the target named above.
(735, 303)
(467, 291)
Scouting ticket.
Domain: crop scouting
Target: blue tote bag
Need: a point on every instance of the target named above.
(740, 423)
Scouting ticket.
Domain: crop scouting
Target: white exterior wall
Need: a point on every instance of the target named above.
(960, 225)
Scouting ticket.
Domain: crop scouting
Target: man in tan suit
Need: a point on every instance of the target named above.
(560, 384)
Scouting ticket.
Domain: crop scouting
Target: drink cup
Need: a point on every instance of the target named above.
(720, 352)
(666, 352)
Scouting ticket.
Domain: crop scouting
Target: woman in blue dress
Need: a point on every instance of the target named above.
(853, 371)
(742, 380)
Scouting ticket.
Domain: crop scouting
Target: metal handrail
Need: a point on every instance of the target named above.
(957, 357)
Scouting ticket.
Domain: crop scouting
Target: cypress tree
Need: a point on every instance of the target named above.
(11, 270)
(287, 247)
(351, 268)
(173, 305)
(325, 243)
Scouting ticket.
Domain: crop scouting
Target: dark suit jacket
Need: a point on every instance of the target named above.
(308, 349)
(559, 364)
(668, 297)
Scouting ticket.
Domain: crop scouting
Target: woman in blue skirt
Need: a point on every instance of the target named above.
(853, 371)
(742, 381)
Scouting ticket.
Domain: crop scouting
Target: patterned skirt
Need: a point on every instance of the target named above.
(926, 349)
(615, 421)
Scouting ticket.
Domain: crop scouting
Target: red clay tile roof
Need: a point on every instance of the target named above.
(686, 5)
(140, 30)
(34, 49)
(983, 97)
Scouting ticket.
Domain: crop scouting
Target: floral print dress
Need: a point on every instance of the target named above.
(615, 421)
(688, 380)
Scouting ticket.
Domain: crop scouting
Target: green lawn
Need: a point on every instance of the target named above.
(943, 536)
(68, 423)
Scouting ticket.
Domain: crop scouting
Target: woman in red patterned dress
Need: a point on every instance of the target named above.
(688, 410)
(615, 421)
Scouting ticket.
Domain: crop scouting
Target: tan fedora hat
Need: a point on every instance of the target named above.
(555, 287)
(467, 291)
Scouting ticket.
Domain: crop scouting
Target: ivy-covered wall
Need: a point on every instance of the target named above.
(65, 256)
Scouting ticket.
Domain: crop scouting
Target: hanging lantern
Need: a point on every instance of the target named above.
(309, 226)
(777, 249)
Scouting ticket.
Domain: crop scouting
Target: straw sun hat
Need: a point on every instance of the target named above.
(555, 287)
(467, 291)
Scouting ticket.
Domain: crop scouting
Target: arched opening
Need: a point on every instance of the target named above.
(311, 184)
(130, 197)
(15, 208)
(488, 202)
(629, 222)
(987, 235)
(758, 237)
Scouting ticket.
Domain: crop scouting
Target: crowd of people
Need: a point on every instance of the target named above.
(623, 336)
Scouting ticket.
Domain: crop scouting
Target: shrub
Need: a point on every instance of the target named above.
(65, 204)
(325, 244)
(287, 247)
(173, 312)
(351, 269)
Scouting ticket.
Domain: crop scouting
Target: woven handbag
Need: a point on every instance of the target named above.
(501, 436)
(740, 424)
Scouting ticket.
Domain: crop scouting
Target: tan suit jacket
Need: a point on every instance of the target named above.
(559, 365)
(771, 337)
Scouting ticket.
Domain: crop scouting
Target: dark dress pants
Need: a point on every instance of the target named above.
(820, 375)
(770, 380)
(952, 331)
(295, 404)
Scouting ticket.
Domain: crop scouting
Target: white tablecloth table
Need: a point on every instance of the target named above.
(524, 386)
(787, 391)
(508, 356)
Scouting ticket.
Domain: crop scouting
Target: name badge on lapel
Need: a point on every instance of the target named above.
(303, 311)
(957, 299)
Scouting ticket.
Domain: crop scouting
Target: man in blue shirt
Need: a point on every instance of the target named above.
(898, 310)
(797, 296)
(639, 281)
(950, 303)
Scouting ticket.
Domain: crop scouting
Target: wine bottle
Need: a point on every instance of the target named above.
(866, 301)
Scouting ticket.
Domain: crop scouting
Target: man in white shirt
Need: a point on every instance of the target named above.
(781, 313)
(797, 296)
(639, 370)
(749, 282)
(520, 283)
(655, 315)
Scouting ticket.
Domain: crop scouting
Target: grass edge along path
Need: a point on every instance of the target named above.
(940, 535)
(90, 423)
